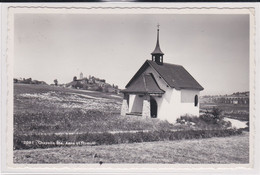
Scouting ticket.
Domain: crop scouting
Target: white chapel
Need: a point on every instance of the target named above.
(161, 90)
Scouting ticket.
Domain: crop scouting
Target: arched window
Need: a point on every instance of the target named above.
(196, 100)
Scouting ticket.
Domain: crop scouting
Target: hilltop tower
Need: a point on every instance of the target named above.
(81, 75)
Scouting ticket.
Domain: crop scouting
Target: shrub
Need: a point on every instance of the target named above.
(216, 112)
(208, 118)
(205, 121)
(188, 119)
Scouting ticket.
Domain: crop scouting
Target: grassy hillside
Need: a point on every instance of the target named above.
(50, 114)
(233, 149)
(48, 109)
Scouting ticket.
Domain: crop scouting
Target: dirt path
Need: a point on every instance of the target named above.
(237, 123)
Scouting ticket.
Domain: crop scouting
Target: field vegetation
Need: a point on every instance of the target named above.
(92, 139)
(44, 113)
(219, 150)
(234, 111)
(48, 116)
(47, 109)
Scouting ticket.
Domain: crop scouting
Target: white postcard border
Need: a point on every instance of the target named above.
(126, 9)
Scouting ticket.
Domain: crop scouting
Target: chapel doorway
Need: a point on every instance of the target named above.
(153, 108)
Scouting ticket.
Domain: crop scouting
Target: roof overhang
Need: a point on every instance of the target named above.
(126, 91)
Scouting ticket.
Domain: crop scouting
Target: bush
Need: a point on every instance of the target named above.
(209, 120)
(215, 120)
(188, 119)
(216, 112)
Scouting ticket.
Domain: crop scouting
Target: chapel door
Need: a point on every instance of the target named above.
(153, 108)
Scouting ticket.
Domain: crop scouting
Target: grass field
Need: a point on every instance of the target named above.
(43, 109)
(233, 149)
(234, 111)
(48, 109)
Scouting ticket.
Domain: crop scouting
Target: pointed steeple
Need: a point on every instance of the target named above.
(157, 54)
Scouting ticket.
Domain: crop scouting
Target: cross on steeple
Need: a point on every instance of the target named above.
(158, 26)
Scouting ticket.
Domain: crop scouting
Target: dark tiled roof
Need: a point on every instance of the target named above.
(175, 76)
(144, 84)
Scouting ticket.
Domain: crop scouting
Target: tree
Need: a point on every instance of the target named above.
(213, 116)
(78, 85)
(74, 78)
(100, 89)
(216, 112)
(27, 81)
(56, 82)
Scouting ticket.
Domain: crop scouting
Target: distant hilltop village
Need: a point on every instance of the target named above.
(84, 83)
(235, 98)
(92, 83)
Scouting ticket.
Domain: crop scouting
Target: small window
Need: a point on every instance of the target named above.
(196, 100)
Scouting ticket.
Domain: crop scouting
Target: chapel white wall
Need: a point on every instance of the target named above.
(174, 103)
(188, 102)
(135, 103)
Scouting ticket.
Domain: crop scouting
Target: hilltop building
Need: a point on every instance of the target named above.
(161, 90)
(92, 83)
(81, 75)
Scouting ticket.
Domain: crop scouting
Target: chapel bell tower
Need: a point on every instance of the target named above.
(157, 54)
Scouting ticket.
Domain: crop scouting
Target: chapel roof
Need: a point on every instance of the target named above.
(176, 76)
(145, 83)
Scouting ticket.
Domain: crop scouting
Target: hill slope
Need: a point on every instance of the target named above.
(48, 109)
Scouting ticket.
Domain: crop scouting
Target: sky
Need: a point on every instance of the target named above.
(214, 49)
